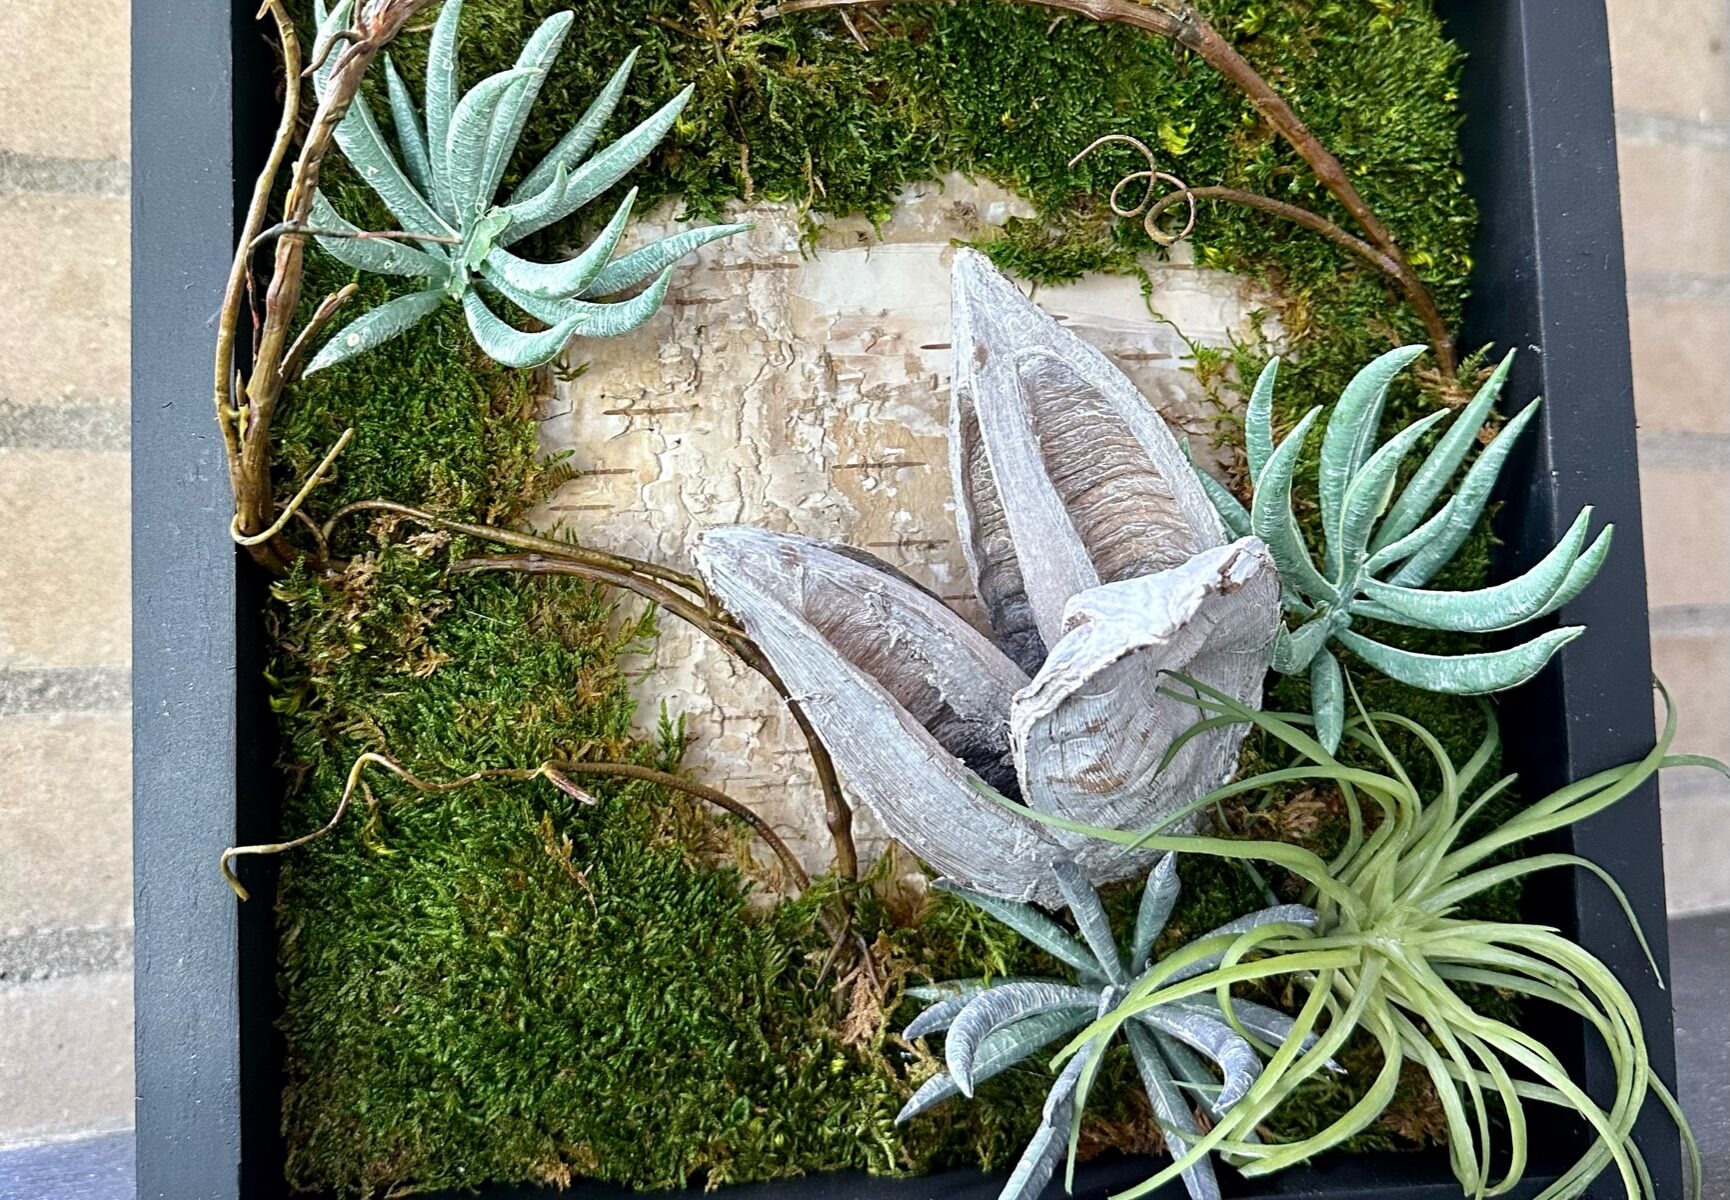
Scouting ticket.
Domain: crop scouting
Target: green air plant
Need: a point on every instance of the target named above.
(1380, 550)
(444, 190)
(1392, 958)
(993, 1025)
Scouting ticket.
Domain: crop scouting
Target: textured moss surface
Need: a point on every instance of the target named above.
(503, 983)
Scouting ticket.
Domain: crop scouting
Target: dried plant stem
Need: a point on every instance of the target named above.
(714, 796)
(555, 771)
(1279, 208)
(245, 408)
(838, 816)
(1181, 23)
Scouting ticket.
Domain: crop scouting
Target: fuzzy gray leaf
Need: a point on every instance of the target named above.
(1031, 924)
(1214, 1038)
(1171, 1110)
(996, 1054)
(576, 144)
(410, 137)
(990, 1011)
(442, 87)
(1158, 898)
(375, 326)
(631, 269)
(1090, 917)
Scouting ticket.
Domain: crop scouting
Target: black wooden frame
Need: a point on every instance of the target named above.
(1541, 153)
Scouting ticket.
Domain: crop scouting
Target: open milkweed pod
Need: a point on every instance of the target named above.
(1065, 475)
(911, 701)
(1086, 532)
(1090, 732)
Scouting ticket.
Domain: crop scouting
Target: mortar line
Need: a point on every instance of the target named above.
(47, 174)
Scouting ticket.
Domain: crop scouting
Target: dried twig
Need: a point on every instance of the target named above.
(1181, 23)
(838, 815)
(244, 409)
(555, 771)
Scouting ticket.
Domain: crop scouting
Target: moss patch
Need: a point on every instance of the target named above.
(501, 983)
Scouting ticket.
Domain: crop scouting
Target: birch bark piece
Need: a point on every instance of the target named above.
(807, 391)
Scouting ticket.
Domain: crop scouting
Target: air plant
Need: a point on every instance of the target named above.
(993, 1025)
(1392, 957)
(454, 232)
(1099, 563)
(1380, 550)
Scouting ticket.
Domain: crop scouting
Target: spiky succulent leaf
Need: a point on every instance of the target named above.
(375, 326)
(599, 173)
(1429, 480)
(1271, 516)
(997, 1054)
(1350, 435)
(410, 136)
(950, 998)
(1033, 925)
(1380, 550)
(1504, 605)
(381, 256)
(628, 270)
(990, 1011)
(1090, 917)
(576, 144)
(571, 278)
(1462, 674)
(455, 161)
(1158, 898)
(1327, 695)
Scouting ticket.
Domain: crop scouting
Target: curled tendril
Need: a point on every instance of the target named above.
(1147, 210)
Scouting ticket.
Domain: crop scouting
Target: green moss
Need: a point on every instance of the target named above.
(500, 983)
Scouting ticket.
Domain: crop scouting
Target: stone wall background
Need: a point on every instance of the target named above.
(65, 884)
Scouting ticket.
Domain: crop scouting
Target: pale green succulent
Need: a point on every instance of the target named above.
(990, 1026)
(445, 187)
(1381, 549)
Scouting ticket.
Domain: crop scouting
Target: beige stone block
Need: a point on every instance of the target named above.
(1673, 203)
(65, 822)
(64, 77)
(1697, 852)
(64, 306)
(65, 1057)
(64, 596)
(1681, 374)
(1695, 669)
(1686, 515)
(1668, 56)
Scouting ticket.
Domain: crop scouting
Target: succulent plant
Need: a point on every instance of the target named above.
(993, 1025)
(1100, 565)
(445, 188)
(1382, 544)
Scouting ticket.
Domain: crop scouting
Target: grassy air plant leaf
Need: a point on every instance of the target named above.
(442, 182)
(1391, 957)
(991, 1026)
(1383, 544)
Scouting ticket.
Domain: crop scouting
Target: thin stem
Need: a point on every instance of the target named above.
(1279, 208)
(838, 816)
(553, 770)
(292, 508)
(701, 791)
(1182, 24)
(527, 541)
